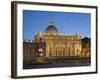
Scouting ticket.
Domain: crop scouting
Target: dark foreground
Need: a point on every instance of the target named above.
(53, 63)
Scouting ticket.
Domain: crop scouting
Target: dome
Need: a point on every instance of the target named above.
(51, 28)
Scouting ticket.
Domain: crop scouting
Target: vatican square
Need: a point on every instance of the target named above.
(56, 39)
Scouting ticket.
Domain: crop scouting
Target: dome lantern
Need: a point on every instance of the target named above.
(51, 28)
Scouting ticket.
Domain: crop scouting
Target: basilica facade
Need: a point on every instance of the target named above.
(52, 44)
(59, 44)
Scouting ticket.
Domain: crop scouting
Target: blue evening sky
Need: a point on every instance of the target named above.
(66, 22)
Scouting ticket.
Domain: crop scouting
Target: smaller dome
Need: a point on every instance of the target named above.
(51, 28)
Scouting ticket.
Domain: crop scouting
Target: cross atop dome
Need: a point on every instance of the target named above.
(51, 23)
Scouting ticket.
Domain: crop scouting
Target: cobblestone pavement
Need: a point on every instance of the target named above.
(59, 63)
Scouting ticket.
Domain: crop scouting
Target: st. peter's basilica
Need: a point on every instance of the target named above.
(52, 44)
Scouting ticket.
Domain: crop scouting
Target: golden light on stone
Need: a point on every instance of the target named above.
(40, 50)
(57, 44)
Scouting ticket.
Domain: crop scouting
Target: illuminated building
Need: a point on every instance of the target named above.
(59, 44)
(52, 44)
